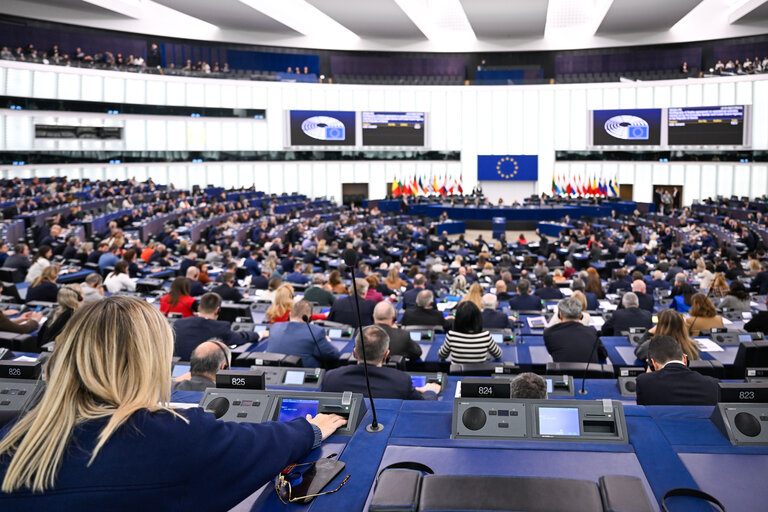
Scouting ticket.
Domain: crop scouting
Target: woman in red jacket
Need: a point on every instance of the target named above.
(178, 299)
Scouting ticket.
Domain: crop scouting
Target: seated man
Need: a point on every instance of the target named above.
(571, 342)
(528, 385)
(317, 294)
(345, 310)
(631, 315)
(549, 291)
(409, 297)
(423, 313)
(226, 289)
(208, 358)
(297, 276)
(501, 291)
(195, 287)
(193, 330)
(644, 300)
(523, 300)
(493, 318)
(295, 337)
(386, 382)
(672, 382)
(400, 342)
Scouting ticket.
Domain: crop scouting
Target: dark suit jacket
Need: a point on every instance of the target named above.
(572, 342)
(17, 261)
(494, 319)
(525, 302)
(623, 319)
(759, 284)
(193, 330)
(676, 384)
(422, 316)
(409, 298)
(401, 344)
(759, 322)
(228, 293)
(548, 293)
(592, 302)
(320, 296)
(345, 311)
(385, 382)
(196, 288)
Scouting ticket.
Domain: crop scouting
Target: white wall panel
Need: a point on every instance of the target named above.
(176, 135)
(484, 120)
(679, 95)
(643, 187)
(135, 91)
(578, 139)
(744, 93)
(92, 88)
(711, 95)
(727, 93)
(760, 115)
(195, 95)
(645, 97)
(114, 90)
(661, 96)
(610, 97)
(44, 84)
(724, 180)
(176, 93)
(69, 87)
(437, 136)
(515, 121)
(135, 134)
(742, 176)
(759, 180)
(290, 177)
(19, 82)
(498, 111)
(530, 119)
(708, 181)
(627, 97)
(694, 96)
(562, 122)
(156, 93)
(660, 174)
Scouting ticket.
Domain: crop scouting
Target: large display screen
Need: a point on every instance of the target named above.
(321, 128)
(292, 408)
(556, 421)
(706, 126)
(636, 127)
(392, 128)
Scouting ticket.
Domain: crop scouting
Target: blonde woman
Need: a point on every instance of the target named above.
(103, 436)
(671, 323)
(281, 307)
(719, 287)
(69, 299)
(44, 286)
(474, 295)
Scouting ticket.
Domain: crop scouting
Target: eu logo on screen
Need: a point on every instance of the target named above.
(324, 128)
(627, 127)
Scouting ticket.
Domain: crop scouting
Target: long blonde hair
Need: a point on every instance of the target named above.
(112, 359)
(282, 303)
(49, 273)
(474, 295)
(69, 297)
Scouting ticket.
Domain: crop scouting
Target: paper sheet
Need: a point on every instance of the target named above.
(707, 345)
(26, 359)
(443, 306)
(596, 322)
(536, 322)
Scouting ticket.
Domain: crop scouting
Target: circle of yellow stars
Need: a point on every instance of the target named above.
(501, 163)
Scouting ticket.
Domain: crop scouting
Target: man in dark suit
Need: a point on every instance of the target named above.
(501, 291)
(409, 297)
(208, 358)
(549, 291)
(400, 342)
(345, 311)
(298, 338)
(672, 382)
(423, 313)
(622, 281)
(658, 282)
(193, 330)
(759, 283)
(629, 316)
(674, 269)
(19, 259)
(493, 318)
(226, 289)
(195, 287)
(571, 342)
(523, 300)
(644, 300)
(385, 382)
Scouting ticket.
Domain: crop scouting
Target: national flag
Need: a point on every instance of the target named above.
(444, 186)
(460, 184)
(406, 187)
(396, 190)
(615, 188)
(435, 184)
(555, 192)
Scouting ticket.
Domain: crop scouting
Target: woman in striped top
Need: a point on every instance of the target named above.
(467, 342)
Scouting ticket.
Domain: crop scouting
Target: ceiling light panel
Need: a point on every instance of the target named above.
(439, 20)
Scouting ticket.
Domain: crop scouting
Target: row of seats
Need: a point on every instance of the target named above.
(632, 75)
(398, 80)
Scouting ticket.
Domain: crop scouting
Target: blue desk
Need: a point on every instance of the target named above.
(522, 213)
(552, 229)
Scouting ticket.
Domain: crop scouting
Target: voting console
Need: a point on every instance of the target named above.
(258, 406)
(742, 412)
(20, 388)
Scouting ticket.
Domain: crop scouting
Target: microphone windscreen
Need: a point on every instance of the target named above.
(350, 257)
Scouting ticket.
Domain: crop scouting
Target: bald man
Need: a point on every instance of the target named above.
(195, 287)
(208, 358)
(502, 295)
(400, 342)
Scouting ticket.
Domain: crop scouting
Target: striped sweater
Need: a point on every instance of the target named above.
(469, 348)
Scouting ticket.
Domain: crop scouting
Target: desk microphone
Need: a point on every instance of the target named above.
(307, 319)
(582, 391)
(350, 259)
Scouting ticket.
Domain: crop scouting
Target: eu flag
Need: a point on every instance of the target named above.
(507, 168)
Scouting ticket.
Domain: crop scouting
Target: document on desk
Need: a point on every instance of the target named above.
(707, 345)
(566, 291)
(443, 306)
(596, 322)
(536, 322)
(726, 321)
(607, 306)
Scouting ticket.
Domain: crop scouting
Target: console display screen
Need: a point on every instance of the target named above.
(555, 421)
(179, 370)
(294, 377)
(498, 338)
(334, 333)
(415, 335)
(419, 381)
(550, 385)
(292, 408)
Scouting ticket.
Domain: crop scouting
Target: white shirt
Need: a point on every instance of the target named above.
(36, 269)
(119, 282)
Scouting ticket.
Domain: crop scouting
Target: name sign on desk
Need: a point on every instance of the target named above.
(20, 369)
(240, 379)
(743, 392)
